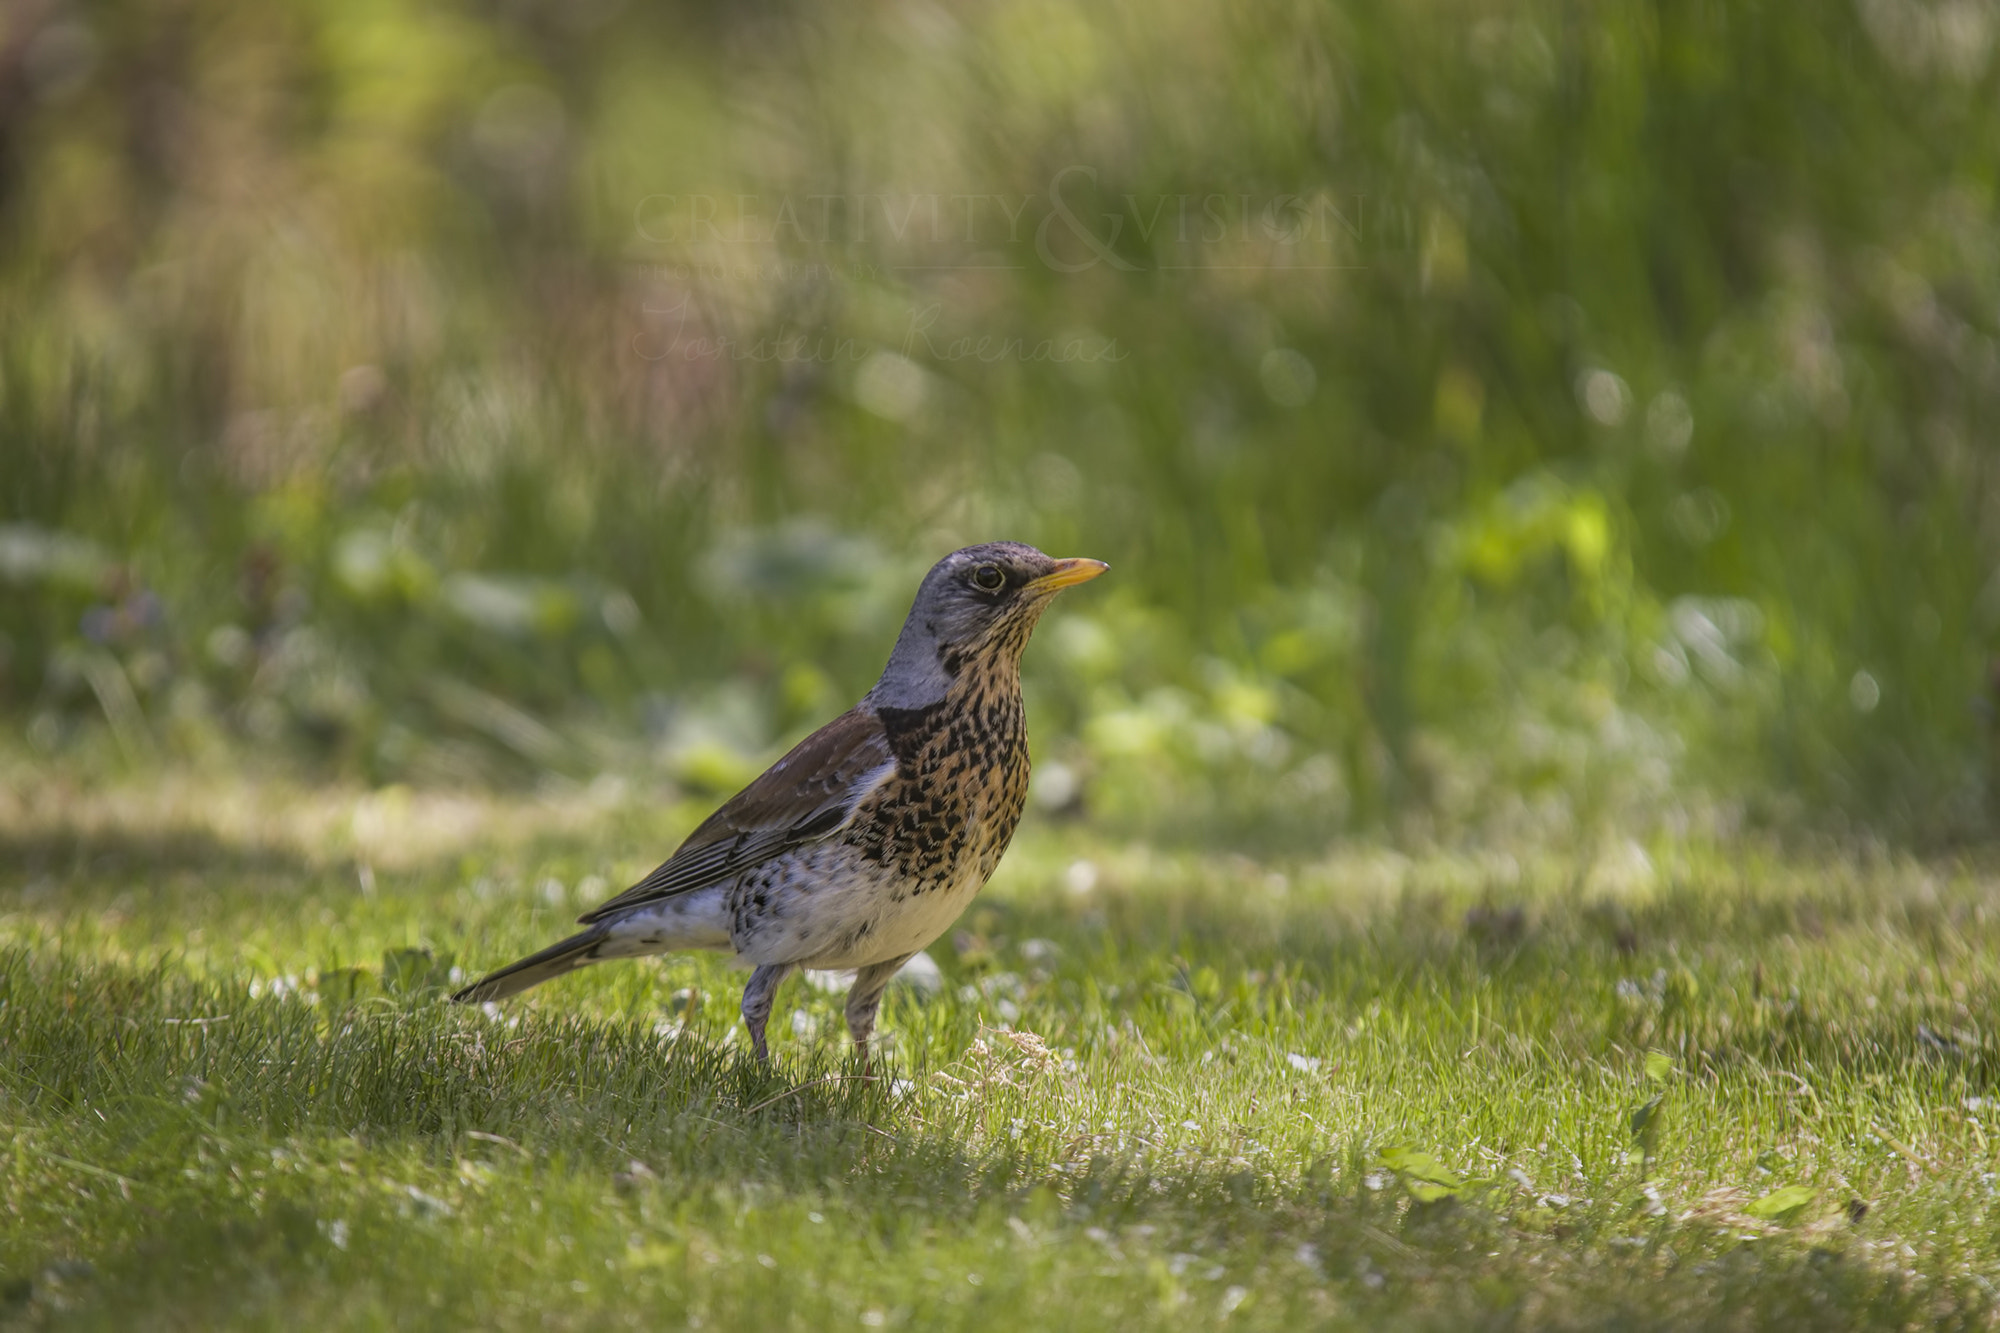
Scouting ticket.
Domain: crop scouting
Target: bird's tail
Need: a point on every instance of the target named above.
(536, 968)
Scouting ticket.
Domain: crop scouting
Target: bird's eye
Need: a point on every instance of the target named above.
(989, 578)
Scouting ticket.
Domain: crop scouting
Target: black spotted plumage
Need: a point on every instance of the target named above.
(960, 786)
(860, 845)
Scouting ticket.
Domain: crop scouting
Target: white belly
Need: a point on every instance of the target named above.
(829, 907)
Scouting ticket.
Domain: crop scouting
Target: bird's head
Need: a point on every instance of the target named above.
(976, 607)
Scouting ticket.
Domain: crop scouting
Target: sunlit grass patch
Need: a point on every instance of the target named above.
(1158, 1090)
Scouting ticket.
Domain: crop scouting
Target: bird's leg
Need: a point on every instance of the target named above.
(757, 998)
(864, 999)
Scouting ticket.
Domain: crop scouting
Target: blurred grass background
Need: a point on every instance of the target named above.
(1500, 419)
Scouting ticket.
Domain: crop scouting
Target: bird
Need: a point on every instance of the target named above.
(869, 837)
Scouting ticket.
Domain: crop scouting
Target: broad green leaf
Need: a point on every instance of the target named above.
(344, 985)
(1783, 1204)
(1646, 1117)
(1659, 1066)
(413, 971)
(1426, 1178)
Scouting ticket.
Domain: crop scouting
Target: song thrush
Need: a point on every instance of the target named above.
(865, 842)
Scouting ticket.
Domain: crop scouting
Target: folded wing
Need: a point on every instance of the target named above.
(802, 798)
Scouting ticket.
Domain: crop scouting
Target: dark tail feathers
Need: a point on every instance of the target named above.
(536, 968)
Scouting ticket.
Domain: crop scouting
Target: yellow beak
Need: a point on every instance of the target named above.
(1067, 574)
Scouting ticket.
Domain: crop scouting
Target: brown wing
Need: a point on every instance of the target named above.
(801, 798)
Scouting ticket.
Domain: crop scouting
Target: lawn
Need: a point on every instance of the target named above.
(1725, 1085)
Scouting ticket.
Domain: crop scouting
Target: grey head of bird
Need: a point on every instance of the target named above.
(976, 606)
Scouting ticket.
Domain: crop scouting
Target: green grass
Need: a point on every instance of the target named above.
(1368, 1088)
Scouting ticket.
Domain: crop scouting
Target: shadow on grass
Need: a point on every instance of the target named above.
(1501, 927)
(1721, 976)
(91, 1034)
(90, 864)
(228, 1263)
(1126, 1245)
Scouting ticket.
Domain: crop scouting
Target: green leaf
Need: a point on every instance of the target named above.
(344, 985)
(1659, 1066)
(1428, 1191)
(413, 971)
(1646, 1118)
(1427, 1179)
(1782, 1205)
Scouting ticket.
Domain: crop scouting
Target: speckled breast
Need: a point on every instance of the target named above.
(961, 781)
